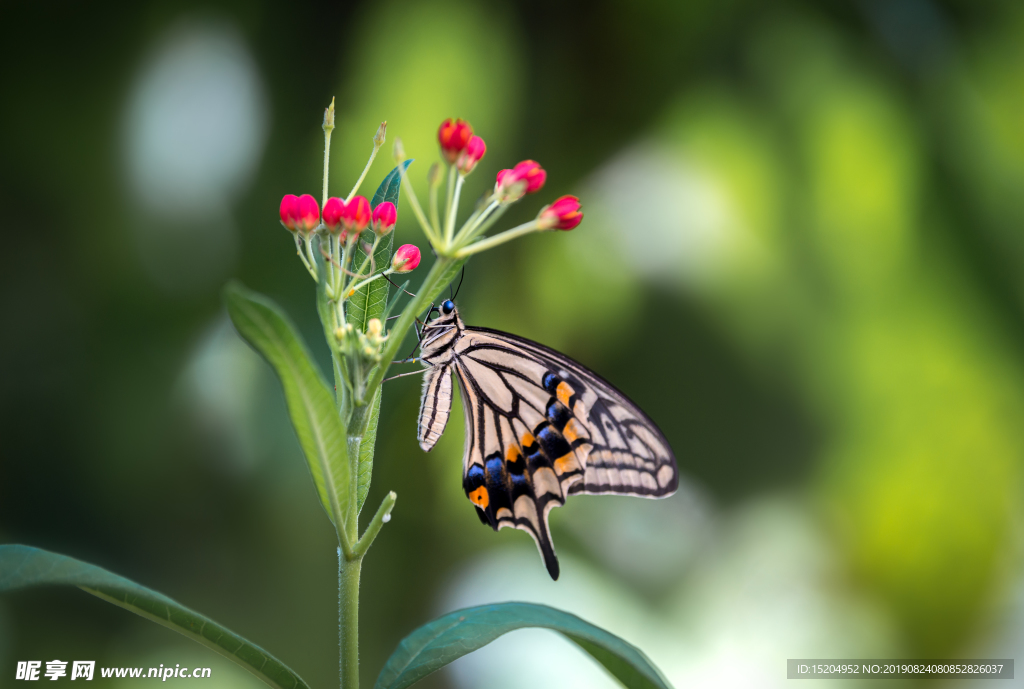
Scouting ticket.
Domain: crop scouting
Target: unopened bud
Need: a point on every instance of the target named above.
(334, 214)
(378, 138)
(357, 214)
(289, 212)
(406, 258)
(453, 135)
(329, 116)
(309, 214)
(471, 155)
(374, 328)
(434, 175)
(525, 178)
(384, 217)
(563, 214)
(398, 150)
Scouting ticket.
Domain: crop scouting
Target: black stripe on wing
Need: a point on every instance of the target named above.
(628, 453)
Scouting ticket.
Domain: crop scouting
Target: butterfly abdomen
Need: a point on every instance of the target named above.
(435, 405)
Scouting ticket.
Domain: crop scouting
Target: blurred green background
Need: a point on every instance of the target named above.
(802, 256)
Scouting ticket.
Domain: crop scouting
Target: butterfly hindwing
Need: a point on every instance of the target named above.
(540, 427)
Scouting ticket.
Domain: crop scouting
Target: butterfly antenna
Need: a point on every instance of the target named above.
(463, 277)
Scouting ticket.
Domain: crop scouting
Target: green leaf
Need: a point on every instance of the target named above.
(366, 453)
(447, 638)
(310, 402)
(22, 566)
(370, 300)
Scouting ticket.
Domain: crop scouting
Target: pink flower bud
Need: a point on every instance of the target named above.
(289, 211)
(453, 137)
(406, 258)
(563, 214)
(384, 217)
(357, 214)
(525, 178)
(471, 155)
(334, 212)
(309, 213)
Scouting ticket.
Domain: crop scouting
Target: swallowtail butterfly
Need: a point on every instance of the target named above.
(539, 427)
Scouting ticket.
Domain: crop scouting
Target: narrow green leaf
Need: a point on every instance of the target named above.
(310, 402)
(447, 638)
(22, 566)
(369, 301)
(366, 447)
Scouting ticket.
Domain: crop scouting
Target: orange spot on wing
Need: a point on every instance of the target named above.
(528, 439)
(571, 431)
(512, 455)
(564, 391)
(480, 497)
(566, 463)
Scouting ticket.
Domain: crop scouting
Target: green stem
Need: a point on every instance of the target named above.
(486, 220)
(348, 619)
(302, 257)
(414, 203)
(383, 515)
(490, 242)
(434, 219)
(449, 193)
(370, 279)
(366, 169)
(449, 228)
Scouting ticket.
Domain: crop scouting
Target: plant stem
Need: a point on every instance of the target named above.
(328, 128)
(363, 176)
(507, 235)
(434, 221)
(449, 228)
(449, 193)
(348, 620)
(383, 515)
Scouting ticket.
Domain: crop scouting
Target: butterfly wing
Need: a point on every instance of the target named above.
(541, 427)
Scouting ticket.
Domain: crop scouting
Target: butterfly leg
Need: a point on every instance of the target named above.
(410, 373)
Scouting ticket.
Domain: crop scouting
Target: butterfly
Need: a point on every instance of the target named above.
(539, 427)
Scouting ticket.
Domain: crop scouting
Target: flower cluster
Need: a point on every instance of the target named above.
(339, 246)
(462, 150)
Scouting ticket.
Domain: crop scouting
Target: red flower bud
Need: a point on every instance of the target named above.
(525, 178)
(309, 213)
(384, 217)
(289, 211)
(453, 137)
(471, 155)
(563, 214)
(406, 258)
(357, 214)
(334, 212)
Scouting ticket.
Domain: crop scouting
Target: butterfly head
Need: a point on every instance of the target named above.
(447, 314)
